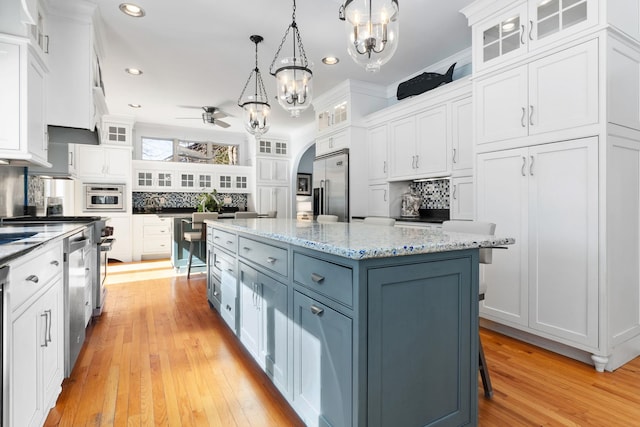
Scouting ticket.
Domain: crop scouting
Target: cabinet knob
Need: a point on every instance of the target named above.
(55, 262)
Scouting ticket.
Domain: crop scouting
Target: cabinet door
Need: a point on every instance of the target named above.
(213, 282)
(10, 100)
(25, 370)
(563, 240)
(273, 170)
(436, 302)
(500, 38)
(501, 109)
(502, 198)
(377, 153)
(462, 136)
(402, 148)
(143, 180)
(462, 196)
(250, 310)
(122, 248)
(555, 19)
(273, 199)
(274, 347)
(91, 162)
(118, 163)
(378, 200)
(36, 110)
(432, 143)
(53, 351)
(322, 363)
(563, 89)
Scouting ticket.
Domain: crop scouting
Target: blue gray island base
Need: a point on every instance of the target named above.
(353, 341)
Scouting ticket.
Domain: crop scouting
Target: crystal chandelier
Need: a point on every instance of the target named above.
(372, 34)
(255, 107)
(293, 74)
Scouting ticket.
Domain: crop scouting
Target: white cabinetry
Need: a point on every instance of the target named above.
(331, 143)
(35, 339)
(557, 92)
(525, 27)
(273, 198)
(122, 247)
(152, 236)
(103, 163)
(418, 145)
(546, 197)
(273, 171)
(74, 61)
(462, 142)
(377, 154)
(117, 130)
(462, 197)
(23, 83)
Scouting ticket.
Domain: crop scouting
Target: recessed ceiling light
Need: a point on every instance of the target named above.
(135, 105)
(132, 10)
(134, 71)
(330, 60)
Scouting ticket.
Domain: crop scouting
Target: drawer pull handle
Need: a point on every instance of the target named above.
(46, 323)
(230, 270)
(49, 327)
(228, 307)
(215, 293)
(246, 248)
(216, 237)
(316, 310)
(271, 260)
(229, 242)
(55, 262)
(33, 278)
(316, 277)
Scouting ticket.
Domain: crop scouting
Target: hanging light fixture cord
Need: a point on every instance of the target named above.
(296, 37)
(259, 83)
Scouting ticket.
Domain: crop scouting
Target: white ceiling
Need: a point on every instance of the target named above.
(198, 52)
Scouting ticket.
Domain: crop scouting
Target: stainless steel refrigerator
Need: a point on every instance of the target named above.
(331, 185)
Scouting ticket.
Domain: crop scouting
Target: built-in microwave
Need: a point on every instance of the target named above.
(104, 197)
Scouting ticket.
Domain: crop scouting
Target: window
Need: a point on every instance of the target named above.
(174, 150)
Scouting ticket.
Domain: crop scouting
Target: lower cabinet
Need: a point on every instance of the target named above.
(264, 323)
(35, 356)
(461, 197)
(322, 363)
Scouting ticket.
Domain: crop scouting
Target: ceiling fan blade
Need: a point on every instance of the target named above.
(221, 124)
(189, 106)
(189, 118)
(219, 115)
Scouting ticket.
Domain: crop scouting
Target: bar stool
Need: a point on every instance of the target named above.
(198, 232)
(380, 220)
(327, 218)
(246, 215)
(485, 256)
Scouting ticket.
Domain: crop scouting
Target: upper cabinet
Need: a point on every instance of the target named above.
(557, 92)
(273, 147)
(524, 27)
(23, 85)
(333, 116)
(75, 53)
(117, 130)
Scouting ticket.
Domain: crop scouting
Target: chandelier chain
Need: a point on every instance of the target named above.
(297, 38)
(259, 83)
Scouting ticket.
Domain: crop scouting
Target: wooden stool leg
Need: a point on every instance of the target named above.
(484, 372)
(190, 259)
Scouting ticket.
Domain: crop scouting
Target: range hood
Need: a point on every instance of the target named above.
(66, 135)
(58, 154)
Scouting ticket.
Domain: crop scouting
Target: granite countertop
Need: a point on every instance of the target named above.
(357, 240)
(44, 233)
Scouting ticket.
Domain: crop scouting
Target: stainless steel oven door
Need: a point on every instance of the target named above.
(104, 197)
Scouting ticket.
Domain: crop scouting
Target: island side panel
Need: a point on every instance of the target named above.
(423, 342)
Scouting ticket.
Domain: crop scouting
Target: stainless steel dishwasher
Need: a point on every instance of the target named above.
(77, 271)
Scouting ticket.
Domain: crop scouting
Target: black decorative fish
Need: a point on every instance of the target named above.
(424, 82)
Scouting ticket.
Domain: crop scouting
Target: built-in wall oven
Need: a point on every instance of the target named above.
(104, 197)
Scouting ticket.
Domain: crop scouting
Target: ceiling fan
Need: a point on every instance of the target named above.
(211, 115)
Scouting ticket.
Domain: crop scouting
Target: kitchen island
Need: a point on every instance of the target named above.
(355, 324)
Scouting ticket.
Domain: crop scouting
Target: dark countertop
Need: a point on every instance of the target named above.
(425, 220)
(45, 233)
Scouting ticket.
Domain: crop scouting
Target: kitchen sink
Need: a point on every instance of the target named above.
(15, 236)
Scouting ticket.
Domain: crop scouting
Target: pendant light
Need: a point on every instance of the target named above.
(372, 33)
(255, 107)
(293, 74)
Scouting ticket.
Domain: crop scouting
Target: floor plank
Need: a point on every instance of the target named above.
(159, 355)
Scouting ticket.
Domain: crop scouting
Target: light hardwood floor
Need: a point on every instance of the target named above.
(159, 356)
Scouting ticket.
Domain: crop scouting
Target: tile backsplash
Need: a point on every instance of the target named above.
(435, 194)
(185, 200)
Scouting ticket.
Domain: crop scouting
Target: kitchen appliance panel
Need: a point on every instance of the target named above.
(104, 197)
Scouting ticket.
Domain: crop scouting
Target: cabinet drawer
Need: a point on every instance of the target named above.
(265, 255)
(32, 272)
(331, 280)
(156, 244)
(222, 262)
(156, 220)
(156, 230)
(225, 239)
